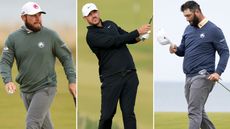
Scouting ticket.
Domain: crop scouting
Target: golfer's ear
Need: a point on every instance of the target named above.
(85, 18)
(197, 11)
(23, 17)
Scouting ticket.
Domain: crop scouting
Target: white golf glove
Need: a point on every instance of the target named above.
(10, 91)
(162, 39)
(145, 36)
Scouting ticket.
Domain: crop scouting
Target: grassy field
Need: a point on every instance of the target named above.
(179, 120)
(12, 111)
(128, 14)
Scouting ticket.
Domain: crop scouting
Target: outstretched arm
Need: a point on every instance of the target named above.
(102, 40)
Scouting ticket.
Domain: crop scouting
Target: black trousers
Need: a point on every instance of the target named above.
(123, 87)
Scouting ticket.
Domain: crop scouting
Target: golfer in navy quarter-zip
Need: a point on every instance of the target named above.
(200, 42)
(116, 67)
(109, 45)
(198, 47)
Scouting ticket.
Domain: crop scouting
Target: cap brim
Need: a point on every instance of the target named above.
(43, 12)
(35, 13)
(38, 12)
(86, 14)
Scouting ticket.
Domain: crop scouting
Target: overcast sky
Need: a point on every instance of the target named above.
(60, 11)
(167, 15)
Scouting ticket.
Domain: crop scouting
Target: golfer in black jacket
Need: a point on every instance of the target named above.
(116, 67)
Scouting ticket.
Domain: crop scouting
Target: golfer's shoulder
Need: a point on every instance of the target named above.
(109, 22)
(48, 31)
(210, 25)
(52, 33)
(15, 34)
(213, 28)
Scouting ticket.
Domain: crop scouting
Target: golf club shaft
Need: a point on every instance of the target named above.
(74, 99)
(204, 72)
(223, 86)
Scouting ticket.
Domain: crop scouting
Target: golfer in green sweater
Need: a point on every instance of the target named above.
(35, 48)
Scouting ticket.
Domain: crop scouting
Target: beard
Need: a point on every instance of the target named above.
(95, 23)
(195, 21)
(33, 28)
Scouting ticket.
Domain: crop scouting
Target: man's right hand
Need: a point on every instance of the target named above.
(10, 87)
(172, 48)
(72, 89)
(144, 29)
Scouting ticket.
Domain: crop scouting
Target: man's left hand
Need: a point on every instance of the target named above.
(214, 77)
(72, 89)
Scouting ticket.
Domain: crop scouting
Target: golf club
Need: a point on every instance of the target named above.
(161, 37)
(205, 72)
(150, 21)
(146, 36)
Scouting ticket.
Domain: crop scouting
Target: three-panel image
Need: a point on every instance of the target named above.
(153, 64)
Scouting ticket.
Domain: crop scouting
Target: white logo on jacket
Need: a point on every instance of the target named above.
(5, 49)
(202, 35)
(41, 45)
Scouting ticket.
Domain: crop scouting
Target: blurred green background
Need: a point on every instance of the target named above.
(128, 14)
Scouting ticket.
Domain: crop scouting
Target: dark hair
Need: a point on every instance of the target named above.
(192, 5)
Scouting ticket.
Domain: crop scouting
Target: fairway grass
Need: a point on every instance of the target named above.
(179, 120)
(13, 112)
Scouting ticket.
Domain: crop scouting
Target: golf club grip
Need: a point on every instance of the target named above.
(150, 21)
(74, 99)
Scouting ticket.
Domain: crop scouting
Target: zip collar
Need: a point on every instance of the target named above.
(28, 31)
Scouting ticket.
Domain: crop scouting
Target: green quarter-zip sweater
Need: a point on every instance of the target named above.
(35, 54)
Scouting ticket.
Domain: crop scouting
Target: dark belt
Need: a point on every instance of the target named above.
(122, 73)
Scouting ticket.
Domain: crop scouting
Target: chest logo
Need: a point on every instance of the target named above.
(202, 35)
(41, 45)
